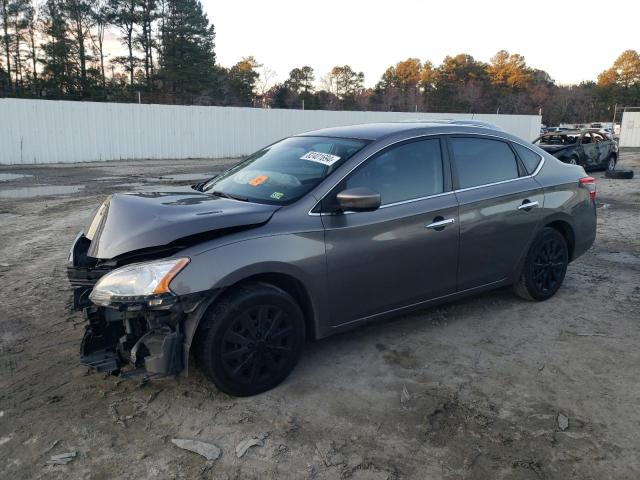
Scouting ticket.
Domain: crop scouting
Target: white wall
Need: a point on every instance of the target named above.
(630, 129)
(45, 131)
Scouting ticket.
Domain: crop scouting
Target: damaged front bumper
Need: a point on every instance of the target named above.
(133, 339)
(149, 343)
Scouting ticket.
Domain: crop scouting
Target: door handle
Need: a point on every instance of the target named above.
(527, 205)
(439, 223)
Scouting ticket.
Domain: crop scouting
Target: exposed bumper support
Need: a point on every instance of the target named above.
(115, 341)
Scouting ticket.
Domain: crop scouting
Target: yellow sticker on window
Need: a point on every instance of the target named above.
(259, 180)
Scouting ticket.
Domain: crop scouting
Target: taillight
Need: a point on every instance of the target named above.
(590, 184)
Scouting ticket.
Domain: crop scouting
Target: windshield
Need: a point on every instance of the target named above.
(567, 139)
(285, 171)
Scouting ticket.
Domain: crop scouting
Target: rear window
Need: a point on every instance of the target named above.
(529, 158)
(480, 161)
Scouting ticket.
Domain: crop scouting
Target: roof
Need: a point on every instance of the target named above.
(375, 131)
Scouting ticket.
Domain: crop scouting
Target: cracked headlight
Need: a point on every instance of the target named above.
(140, 283)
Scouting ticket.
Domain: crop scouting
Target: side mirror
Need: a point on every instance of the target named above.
(359, 199)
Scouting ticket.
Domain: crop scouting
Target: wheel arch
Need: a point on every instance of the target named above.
(294, 287)
(567, 231)
(284, 281)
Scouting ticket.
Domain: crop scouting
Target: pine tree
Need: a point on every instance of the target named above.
(188, 58)
(59, 66)
(5, 9)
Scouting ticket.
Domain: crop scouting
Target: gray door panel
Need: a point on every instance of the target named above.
(381, 260)
(494, 230)
(591, 150)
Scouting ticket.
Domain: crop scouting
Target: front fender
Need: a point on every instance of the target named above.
(299, 255)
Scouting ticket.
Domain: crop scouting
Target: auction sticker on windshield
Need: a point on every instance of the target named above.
(319, 157)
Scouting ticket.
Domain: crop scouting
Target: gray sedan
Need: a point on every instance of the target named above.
(316, 234)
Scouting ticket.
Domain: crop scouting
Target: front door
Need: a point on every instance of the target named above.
(394, 256)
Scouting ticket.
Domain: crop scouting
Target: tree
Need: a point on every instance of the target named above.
(461, 84)
(408, 80)
(297, 90)
(188, 39)
(148, 15)
(508, 70)
(59, 68)
(301, 80)
(122, 14)
(621, 82)
(100, 21)
(624, 72)
(241, 81)
(79, 15)
(6, 8)
(345, 84)
(16, 11)
(31, 18)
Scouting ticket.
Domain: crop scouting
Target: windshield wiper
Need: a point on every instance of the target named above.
(218, 193)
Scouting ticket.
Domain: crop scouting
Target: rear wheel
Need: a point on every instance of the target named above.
(251, 340)
(545, 266)
(611, 163)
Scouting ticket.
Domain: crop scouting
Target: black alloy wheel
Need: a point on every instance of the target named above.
(251, 339)
(258, 344)
(545, 266)
(549, 265)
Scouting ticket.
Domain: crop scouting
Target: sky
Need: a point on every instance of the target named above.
(571, 40)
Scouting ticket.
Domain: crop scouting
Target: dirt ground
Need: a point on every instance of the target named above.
(471, 390)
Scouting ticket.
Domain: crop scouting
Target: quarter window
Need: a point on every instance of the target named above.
(528, 157)
(480, 161)
(406, 172)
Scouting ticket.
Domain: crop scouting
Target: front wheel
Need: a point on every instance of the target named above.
(611, 164)
(545, 266)
(251, 340)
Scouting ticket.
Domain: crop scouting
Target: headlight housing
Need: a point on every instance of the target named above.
(139, 284)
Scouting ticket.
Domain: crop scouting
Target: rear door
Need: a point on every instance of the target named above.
(394, 256)
(499, 205)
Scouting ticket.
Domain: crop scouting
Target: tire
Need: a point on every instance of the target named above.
(251, 339)
(619, 174)
(545, 266)
(611, 163)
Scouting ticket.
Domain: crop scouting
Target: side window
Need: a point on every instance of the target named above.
(586, 138)
(480, 161)
(409, 171)
(529, 158)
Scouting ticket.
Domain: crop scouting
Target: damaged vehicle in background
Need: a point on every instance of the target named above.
(317, 234)
(588, 149)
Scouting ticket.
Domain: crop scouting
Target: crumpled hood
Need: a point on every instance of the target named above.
(126, 222)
